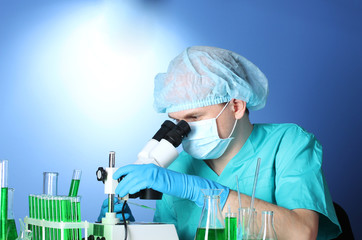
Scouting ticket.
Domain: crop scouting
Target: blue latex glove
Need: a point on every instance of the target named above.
(118, 209)
(138, 177)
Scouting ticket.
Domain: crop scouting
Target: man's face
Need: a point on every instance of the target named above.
(225, 121)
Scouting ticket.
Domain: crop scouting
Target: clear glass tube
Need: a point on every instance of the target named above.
(247, 225)
(77, 173)
(4, 173)
(50, 183)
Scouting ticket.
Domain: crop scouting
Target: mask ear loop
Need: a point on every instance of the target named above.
(222, 110)
(232, 131)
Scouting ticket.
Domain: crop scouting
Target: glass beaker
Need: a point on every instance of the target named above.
(12, 234)
(211, 224)
(50, 183)
(267, 230)
(247, 225)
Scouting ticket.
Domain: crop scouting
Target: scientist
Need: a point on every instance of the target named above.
(213, 90)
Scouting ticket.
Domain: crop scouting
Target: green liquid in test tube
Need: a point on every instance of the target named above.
(41, 213)
(51, 216)
(44, 214)
(37, 216)
(3, 199)
(47, 216)
(231, 227)
(12, 234)
(30, 210)
(50, 191)
(58, 214)
(74, 186)
(73, 216)
(66, 214)
(32, 213)
(78, 216)
(4, 213)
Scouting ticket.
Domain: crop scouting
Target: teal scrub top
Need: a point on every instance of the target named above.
(290, 176)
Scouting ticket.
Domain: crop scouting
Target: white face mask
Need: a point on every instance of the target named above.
(203, 142)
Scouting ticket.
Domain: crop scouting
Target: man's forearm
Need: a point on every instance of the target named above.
(288, 224)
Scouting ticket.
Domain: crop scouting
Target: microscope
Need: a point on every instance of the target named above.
(161, 151)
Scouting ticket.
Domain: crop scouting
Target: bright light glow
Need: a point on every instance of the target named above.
(105, 59)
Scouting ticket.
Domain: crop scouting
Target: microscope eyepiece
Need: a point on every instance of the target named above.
(164, 129)
(176, 135)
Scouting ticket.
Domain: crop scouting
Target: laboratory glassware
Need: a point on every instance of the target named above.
(25, 234)
(267, 231)
(254, 184)
(50, 183)
(231, 227)
(12, 233)
(211, 224)
(74, 186)
(247, 225)
(4, 199)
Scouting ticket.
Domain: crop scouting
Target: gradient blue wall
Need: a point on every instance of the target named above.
(76, 81)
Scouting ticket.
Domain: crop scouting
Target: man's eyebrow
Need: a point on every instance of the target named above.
(192, 114)
(189, 115)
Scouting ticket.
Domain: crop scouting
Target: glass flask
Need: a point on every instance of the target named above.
(211, 224)
(247, 225)
(12, 234)
(267, 231)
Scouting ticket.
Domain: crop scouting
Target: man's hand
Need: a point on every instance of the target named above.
(138, 177)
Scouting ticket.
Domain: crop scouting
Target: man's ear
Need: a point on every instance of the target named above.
(238, 107)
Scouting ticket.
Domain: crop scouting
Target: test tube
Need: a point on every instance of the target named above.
(38, 216)
(4, 198)
(47, 215)
(74, 186)
(31, 207)
(12, 234)
(75, 202)
(41, 213)
(50, 183)
(231, 226)
(78, 216)
(58, 214)
(65, 213)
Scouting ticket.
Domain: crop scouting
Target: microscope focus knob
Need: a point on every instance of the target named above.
(101, 174)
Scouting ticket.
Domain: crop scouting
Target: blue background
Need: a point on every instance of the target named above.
(76, 81)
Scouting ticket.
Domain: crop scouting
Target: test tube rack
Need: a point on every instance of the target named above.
(57, 225)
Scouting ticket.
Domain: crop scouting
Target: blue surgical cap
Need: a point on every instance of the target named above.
(202, 76)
